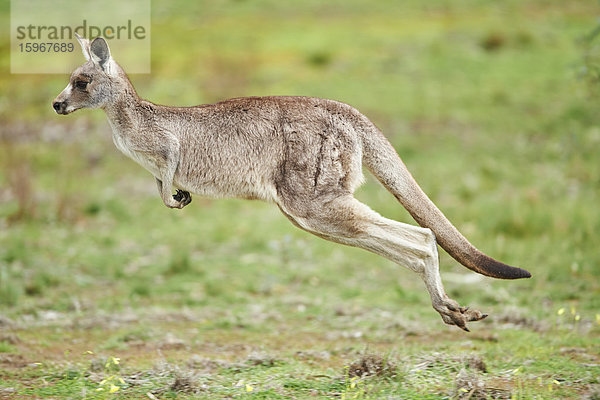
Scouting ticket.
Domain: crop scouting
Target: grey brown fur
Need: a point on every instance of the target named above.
(303, 154)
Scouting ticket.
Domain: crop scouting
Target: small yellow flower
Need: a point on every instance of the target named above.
(598, 319)
(577, 317)
(573, 311)
(561, 311)
(556, 382)
(249, 388)
(113, 389)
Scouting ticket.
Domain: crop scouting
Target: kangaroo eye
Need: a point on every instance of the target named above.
(81, 84)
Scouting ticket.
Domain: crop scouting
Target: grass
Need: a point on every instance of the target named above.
(493, 107)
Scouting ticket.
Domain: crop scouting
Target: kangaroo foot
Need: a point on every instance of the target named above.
(453, 314)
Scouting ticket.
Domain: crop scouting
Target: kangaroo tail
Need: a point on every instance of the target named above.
(382, 160)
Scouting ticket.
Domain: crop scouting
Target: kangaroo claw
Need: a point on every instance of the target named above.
(182, 197)
(453, 314)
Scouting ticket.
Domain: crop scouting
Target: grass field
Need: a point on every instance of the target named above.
(493, 105)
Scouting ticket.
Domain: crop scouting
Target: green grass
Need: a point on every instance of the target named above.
(485, 102)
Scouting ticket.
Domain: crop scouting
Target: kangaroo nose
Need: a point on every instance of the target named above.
(58, 106)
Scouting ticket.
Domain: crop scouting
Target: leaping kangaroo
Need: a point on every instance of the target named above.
(304, 154)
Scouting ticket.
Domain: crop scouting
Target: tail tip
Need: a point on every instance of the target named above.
(496, 269)
(513, 273)
(524, 273)
(508, 272)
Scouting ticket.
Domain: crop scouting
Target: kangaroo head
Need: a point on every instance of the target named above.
(94, 83)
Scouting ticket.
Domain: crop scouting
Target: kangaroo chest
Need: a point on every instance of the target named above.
(126, 145)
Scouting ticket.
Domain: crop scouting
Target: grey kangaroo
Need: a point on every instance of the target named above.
(303, 154)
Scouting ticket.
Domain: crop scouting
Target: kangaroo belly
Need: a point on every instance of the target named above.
(214, 184)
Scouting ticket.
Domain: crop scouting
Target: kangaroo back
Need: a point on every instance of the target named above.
(382, 160)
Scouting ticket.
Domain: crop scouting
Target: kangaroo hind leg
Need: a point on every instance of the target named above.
(347, 221)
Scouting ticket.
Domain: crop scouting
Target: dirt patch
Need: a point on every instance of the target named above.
(12, 361)
(313, 355)
(262, 359)
(207, 365)
(511, 319)
(10, 338)
(581, 355)
(171, 342)
(6, 322)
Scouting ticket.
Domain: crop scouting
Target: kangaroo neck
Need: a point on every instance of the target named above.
(123, 111)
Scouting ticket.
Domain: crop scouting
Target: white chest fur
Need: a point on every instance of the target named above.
(126, 146)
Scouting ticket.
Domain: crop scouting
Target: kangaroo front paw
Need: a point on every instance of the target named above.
(453, 314)
(182, 197)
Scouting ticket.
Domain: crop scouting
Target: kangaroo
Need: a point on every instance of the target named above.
(304, 154)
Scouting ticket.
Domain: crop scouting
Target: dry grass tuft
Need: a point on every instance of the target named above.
(475, 362)
(185, 383)
(469, 385)
(262, 359)
(371, 365)
(593, 393)
(454, 363)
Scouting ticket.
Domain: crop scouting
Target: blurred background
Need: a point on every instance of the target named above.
(493, 105)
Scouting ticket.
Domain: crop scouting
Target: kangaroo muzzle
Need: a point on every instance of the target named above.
(60, 107)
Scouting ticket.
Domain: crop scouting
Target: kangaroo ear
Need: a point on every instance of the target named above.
(100, 52)
(85, 46)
